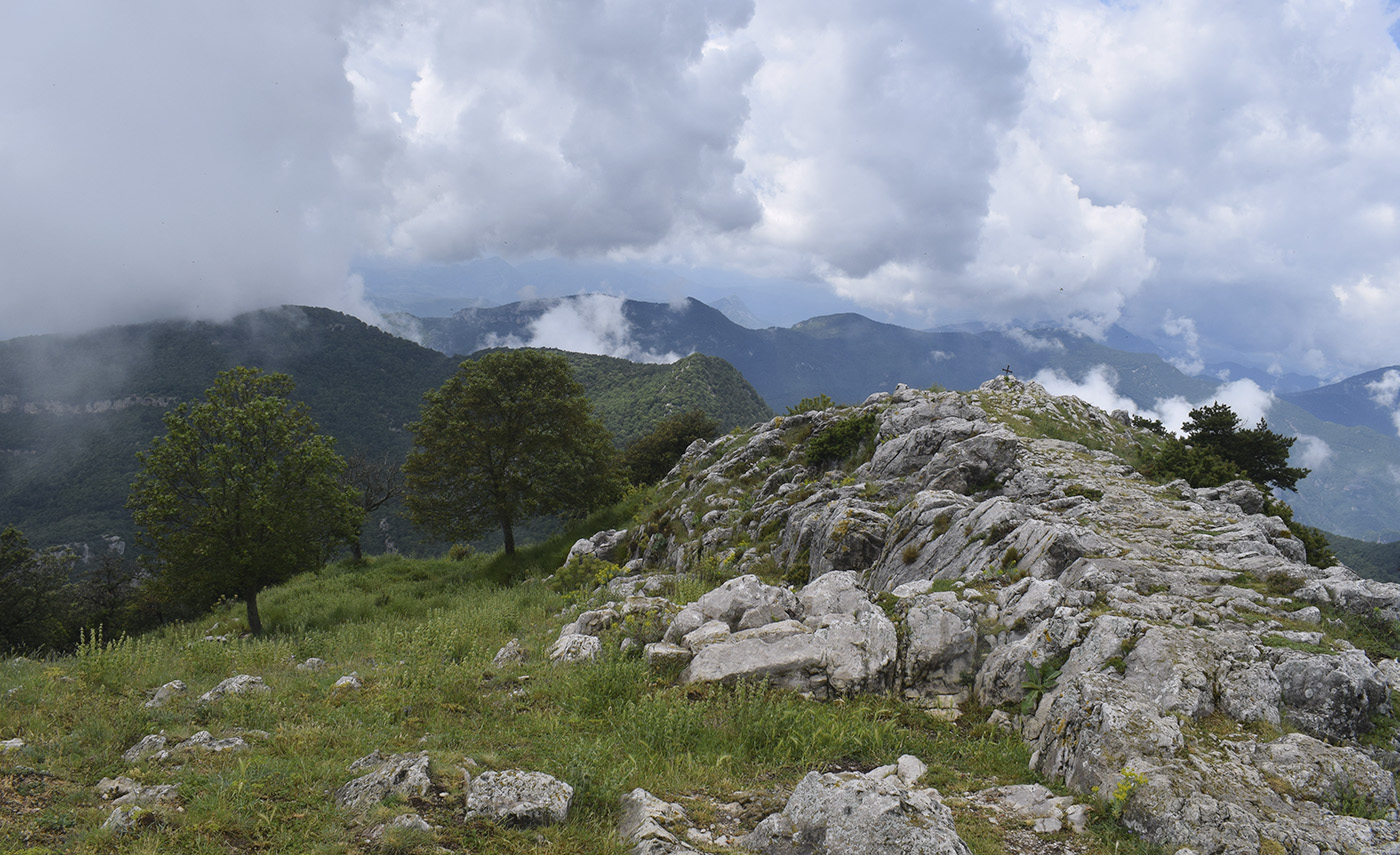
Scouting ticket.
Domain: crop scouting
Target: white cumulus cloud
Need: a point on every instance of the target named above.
(1099, 387)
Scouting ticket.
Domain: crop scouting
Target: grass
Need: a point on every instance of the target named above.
(421, 634)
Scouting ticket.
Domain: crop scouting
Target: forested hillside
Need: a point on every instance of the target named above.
(75, 410)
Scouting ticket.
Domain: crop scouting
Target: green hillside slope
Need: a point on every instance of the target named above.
(75, 410)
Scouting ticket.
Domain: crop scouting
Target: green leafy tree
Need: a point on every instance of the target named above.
(33, 591)
(242, 492)
(510, 436)
(1216, 450)
(650, 457)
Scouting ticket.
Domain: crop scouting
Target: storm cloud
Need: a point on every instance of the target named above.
(1219, 178)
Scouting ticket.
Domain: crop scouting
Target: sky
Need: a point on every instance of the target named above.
(1219, 177)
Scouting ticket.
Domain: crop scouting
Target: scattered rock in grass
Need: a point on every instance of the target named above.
(644, 823)
(402, 774)
(518, 798)
(855, 814)
(512, 654)
(235, 686)
(205, 742)
(9, 745)
(149, 745)
(349, 681)
(408, 821)
(128, 818)
(165, 693)
(312, 664)
(575, 648)
(122, 790)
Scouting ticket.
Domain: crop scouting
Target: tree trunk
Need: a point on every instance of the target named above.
(508, 533)
(254, 620)
(355, 552)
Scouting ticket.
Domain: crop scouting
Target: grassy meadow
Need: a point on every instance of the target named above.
(421, 635)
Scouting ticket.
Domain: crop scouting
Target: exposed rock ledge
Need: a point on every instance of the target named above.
(1206, 681)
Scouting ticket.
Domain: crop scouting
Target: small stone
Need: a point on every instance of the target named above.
(349, 681)
(312, 664)
(235, 686)
(512, 654)
(147, 746)
(173, 689)
(11, 745)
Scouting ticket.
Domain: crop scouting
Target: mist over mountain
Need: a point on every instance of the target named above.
(75, 410)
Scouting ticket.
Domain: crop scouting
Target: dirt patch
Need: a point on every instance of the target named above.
(37, 809)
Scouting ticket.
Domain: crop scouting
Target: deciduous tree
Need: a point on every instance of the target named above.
(508, 437)
(32, 593)
(242, 492)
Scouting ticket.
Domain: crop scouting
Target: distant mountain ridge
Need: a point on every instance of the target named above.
(1355, 401)
(846, 356)
(1353, 488)
(75, 410)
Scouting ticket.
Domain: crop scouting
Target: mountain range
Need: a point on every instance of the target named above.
(75, 410)
(1347, 438)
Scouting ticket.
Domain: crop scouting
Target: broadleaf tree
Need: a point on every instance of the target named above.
(242, 492)
(509, 437)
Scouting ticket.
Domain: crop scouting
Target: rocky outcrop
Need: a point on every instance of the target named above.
(1168, 646)
(826, 640)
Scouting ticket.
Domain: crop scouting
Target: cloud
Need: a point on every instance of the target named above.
(1310, 452)
(589, 323)
(1224, 165)
(1249, 137)
(554, 127)
(1099, 387)
(1385, 390)
(1185, 329)
(1032, 343)
(170, 159)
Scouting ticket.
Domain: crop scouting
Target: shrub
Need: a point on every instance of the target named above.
(807, 405)
(841, 440)
(584, 573)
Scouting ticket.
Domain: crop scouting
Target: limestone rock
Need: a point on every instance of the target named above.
(147, 746)
(403, 774)
(853, 814)
(644, 824)
(605, 545)
(204, 742)
(513, 653)
(592, 622)
(1035, 805)
(165, 694)
(235, 686)
(851, 649)
(519, 798)
(940, 645)
(122, 790)
(1333, 697)
(575, 648)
